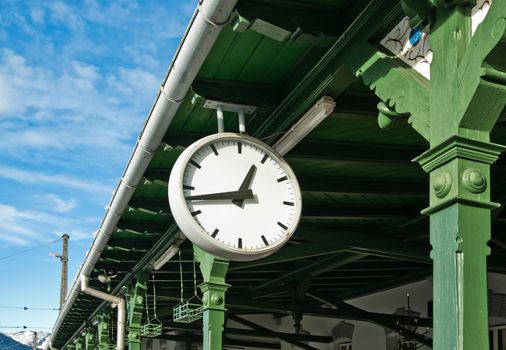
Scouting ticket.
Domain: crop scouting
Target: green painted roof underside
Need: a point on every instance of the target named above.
(360, 189)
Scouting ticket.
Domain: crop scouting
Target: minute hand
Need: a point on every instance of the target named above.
(241, 194)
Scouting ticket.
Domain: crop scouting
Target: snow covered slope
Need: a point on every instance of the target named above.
(27, 337)
(7, 343)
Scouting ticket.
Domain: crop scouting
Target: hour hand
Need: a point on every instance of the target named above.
(241, 194)
(245, 184)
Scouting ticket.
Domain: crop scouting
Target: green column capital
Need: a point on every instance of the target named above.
(460, 172)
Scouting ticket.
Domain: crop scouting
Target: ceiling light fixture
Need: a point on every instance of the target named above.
(310, 120)
(169, 253)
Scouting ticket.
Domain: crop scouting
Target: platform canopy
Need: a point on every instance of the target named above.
(362, 230)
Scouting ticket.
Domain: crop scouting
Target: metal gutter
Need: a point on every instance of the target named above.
(206, 25)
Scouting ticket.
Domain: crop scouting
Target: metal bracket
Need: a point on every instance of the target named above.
(221, 107)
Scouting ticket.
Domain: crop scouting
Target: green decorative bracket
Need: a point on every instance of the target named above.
(213, 271)
(402, 91)
(387, 116)
(136, 310)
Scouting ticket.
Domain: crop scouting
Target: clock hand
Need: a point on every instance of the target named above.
(245, 185)
(241, 194)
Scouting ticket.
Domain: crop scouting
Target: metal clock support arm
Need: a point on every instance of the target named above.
(221, 107)
(213, 271)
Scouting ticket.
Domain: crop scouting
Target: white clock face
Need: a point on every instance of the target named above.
(234, 197)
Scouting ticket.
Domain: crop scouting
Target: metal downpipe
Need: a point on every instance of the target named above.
(116, 302)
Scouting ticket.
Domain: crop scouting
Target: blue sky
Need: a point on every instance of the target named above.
(77, 79)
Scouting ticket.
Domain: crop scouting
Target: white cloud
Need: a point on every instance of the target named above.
(37, 15)
(26, 177)
(135, 82)
(72, 110)
(59, 204)
(26, 86)
(19, 227)
(12, 240)
(63, 13)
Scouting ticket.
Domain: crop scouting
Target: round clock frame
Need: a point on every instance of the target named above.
(257, 193)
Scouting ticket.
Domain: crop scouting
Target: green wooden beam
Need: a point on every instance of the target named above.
(267, 333)
(287, 338)
(309, 210)
(329, 75)
(367, 243)
(291, 253)
(355, 152)
(308, 269)
(226, 341)
(262, 96)
(340, 185)
(326, 241)
(239, 303)
(336, 151)
(409, 277)
(331, 210)
(145, 227)
(317, 25)
(403, 331)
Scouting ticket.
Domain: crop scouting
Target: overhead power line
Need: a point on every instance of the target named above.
(28, 308)
(24, 327)
(28, 250)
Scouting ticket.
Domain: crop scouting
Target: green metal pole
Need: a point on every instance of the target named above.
(78, 344)
(103, 332)
(213, 271)
(136, 309)
(459, 231)
(89, 339)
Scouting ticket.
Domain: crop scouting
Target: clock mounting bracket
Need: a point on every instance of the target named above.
(221, 107)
